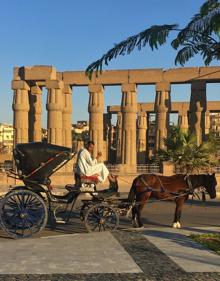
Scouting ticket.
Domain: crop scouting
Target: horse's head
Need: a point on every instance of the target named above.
(210, 182)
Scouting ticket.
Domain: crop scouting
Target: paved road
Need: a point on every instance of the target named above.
(157, 214)
(97, 257)
(154, 214)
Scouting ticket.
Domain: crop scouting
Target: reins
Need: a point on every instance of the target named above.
(174, 195)
(150, 189)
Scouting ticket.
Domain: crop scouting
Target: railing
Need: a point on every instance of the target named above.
(148, 168)
(112, 168)
(6, 165)
(216, 170)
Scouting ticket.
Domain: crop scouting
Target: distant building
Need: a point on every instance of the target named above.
(80, 131)
(6, 138)
(44, 134)
(215, 123)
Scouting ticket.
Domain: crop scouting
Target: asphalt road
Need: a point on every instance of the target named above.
(157, 213)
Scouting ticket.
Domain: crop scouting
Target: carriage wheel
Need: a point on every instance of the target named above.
(101, 217)
(22, 213)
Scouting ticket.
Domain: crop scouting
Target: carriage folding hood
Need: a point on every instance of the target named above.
(37, 161)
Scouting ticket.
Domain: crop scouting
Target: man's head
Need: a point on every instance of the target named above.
(90, 146)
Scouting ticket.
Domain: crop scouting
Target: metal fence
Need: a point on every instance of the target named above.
(113, 168)
(6, 165)
(145, 168)
(216, 170)
(149, 168)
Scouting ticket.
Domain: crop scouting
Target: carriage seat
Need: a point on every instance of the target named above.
(90, 179)
(79, 179)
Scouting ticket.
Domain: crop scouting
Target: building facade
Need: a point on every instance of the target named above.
(6, 138)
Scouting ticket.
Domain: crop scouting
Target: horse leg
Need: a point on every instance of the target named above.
(134, 216)
(140, 208)
(139, 211)
(178, 212)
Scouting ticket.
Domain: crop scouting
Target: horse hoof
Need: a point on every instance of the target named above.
(134, 224)
(178, 224)
(175, 225)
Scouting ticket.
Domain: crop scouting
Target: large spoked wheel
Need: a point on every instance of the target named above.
(22, 213)
(101, 217)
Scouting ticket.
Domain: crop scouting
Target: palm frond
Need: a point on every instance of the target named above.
(155, 36)
(199, 35)
(209, 13)
(186, 53)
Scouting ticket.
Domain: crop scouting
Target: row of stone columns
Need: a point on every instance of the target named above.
(27, 106)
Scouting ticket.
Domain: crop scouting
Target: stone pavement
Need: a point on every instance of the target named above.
(151, 254)
(189, 255)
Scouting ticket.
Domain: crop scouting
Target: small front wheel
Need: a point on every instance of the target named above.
(22, 213)
(101, 217)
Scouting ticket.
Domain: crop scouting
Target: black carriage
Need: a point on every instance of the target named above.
(24, 210)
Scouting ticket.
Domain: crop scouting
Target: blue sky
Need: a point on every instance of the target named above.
(70, 34)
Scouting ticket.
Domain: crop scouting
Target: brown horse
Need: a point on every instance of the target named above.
(176, 188)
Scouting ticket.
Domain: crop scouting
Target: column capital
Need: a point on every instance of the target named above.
(163, 86)
(128, 87)
(67, 89)
(54, 84)
(19, 84)
(142, 114)
(142, 120)
(199, 108)
(95, 88)
(198, 85)
(36, 90)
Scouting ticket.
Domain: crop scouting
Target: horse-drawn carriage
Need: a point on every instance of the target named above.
(24, 210)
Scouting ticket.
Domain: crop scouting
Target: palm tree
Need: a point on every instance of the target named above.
(182, 150)
(200, 36)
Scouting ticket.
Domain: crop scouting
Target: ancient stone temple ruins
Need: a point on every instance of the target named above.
(132, 124)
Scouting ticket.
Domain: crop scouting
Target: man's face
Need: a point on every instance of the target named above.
(90, 147)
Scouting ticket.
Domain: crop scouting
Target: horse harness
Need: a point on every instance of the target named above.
(162, 189)
(192, 190)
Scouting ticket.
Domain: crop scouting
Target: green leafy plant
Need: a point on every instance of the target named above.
(188, 157)
(211, 241)
(200, 36)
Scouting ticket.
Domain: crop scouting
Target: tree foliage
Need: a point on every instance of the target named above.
(182, 150)
(200, 36)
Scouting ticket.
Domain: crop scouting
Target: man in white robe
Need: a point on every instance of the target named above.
(87, 166)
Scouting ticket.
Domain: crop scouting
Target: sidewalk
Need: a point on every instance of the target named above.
(154, 253)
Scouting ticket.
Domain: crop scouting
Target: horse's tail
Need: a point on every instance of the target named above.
(132, 192)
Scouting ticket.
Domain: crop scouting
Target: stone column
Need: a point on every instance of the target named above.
(67, 116)
(21, 108)
(119, 137)
(198, 94)
(198, 128)
(207, 122)
(129, 114)
(35, 112)
(107, 143)
(183, 121)
(55, 111)
(162, 109)
(141, 138)
(96, 109)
